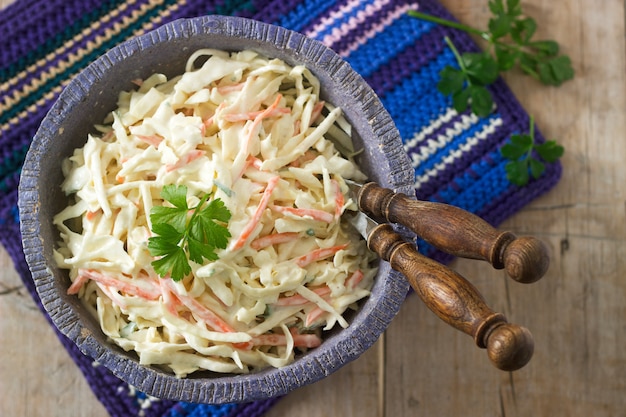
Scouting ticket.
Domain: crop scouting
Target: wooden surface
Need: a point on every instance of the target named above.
(421, 367)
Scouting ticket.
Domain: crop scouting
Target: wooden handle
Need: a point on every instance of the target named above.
(455, 300)
(458, 232)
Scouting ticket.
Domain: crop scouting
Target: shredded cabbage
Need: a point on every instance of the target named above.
(253, 132)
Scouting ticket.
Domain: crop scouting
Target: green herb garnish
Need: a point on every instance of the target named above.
(520, 152)
(510, 44)
(181, 236)
(467, 84)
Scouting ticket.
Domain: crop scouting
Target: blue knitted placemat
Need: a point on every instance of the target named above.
(456, 156)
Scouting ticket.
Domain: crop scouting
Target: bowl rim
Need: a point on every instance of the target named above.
(369, 323)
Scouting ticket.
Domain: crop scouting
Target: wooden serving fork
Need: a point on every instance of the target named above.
(455, 231)
(450, 296)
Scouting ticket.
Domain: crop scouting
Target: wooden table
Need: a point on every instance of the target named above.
(421, 367)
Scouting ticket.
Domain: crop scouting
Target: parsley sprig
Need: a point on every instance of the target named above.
(510, 44)
(181, 236)
(522, 152)
(468, 84)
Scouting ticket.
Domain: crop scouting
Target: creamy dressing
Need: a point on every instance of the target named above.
(253, 132)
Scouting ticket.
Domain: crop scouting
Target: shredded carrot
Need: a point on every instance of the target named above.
(313, 315)
(273, 239)
(171, 302)
(90, 215)
(317, 110)
(153, 140)
(256, 217)
(297, 299)
(306, 340)
(225, 89)
(200, 311)
(77, 284)
(339, 199)
(315, 214)
(256, 125)
(108, 136)
(252, 161)
(239, 117)
(115, 298)
(206, 124)
(296, 127)
(315, 113)
(209, 122)
(211, 319)
(351, 282)
(299, 339)
(185, 160)
(354, 279)
(318, 254)
(123, 286)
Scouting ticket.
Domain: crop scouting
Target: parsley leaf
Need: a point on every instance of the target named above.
(521, 151)
(181, 236)
(510, 44)
(467, 84)
(510, 41)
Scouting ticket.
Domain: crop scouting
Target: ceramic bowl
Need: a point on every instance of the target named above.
(93, 93)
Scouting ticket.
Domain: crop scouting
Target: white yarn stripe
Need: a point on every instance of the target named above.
(432, 145)
(334, 16)
(455, 154)
(375, 29)
(434, 125)
(353, 22)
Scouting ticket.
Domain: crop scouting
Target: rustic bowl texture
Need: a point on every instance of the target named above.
(93, 93)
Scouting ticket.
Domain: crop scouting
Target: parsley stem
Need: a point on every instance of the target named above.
(456, 53)
(196, 209)
(531, 133)
(457, 56)
(528, 70)
(449, 23)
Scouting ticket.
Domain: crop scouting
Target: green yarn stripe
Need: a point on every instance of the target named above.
(80, 64)
(13, 162)
(233, 6)
(55, 42)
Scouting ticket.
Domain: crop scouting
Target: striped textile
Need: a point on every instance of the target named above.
(455, 156)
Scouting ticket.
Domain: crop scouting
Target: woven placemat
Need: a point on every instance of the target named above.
(456, 156)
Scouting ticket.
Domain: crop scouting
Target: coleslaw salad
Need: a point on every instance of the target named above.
(253, 132)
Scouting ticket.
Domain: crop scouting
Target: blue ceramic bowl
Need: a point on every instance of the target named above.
(93, 94)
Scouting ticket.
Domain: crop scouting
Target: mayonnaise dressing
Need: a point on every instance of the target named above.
(253, 132)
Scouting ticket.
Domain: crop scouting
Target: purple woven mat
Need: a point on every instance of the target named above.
(457, 159)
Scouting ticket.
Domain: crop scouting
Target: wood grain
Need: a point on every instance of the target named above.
(458, 232)
(422, 367)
